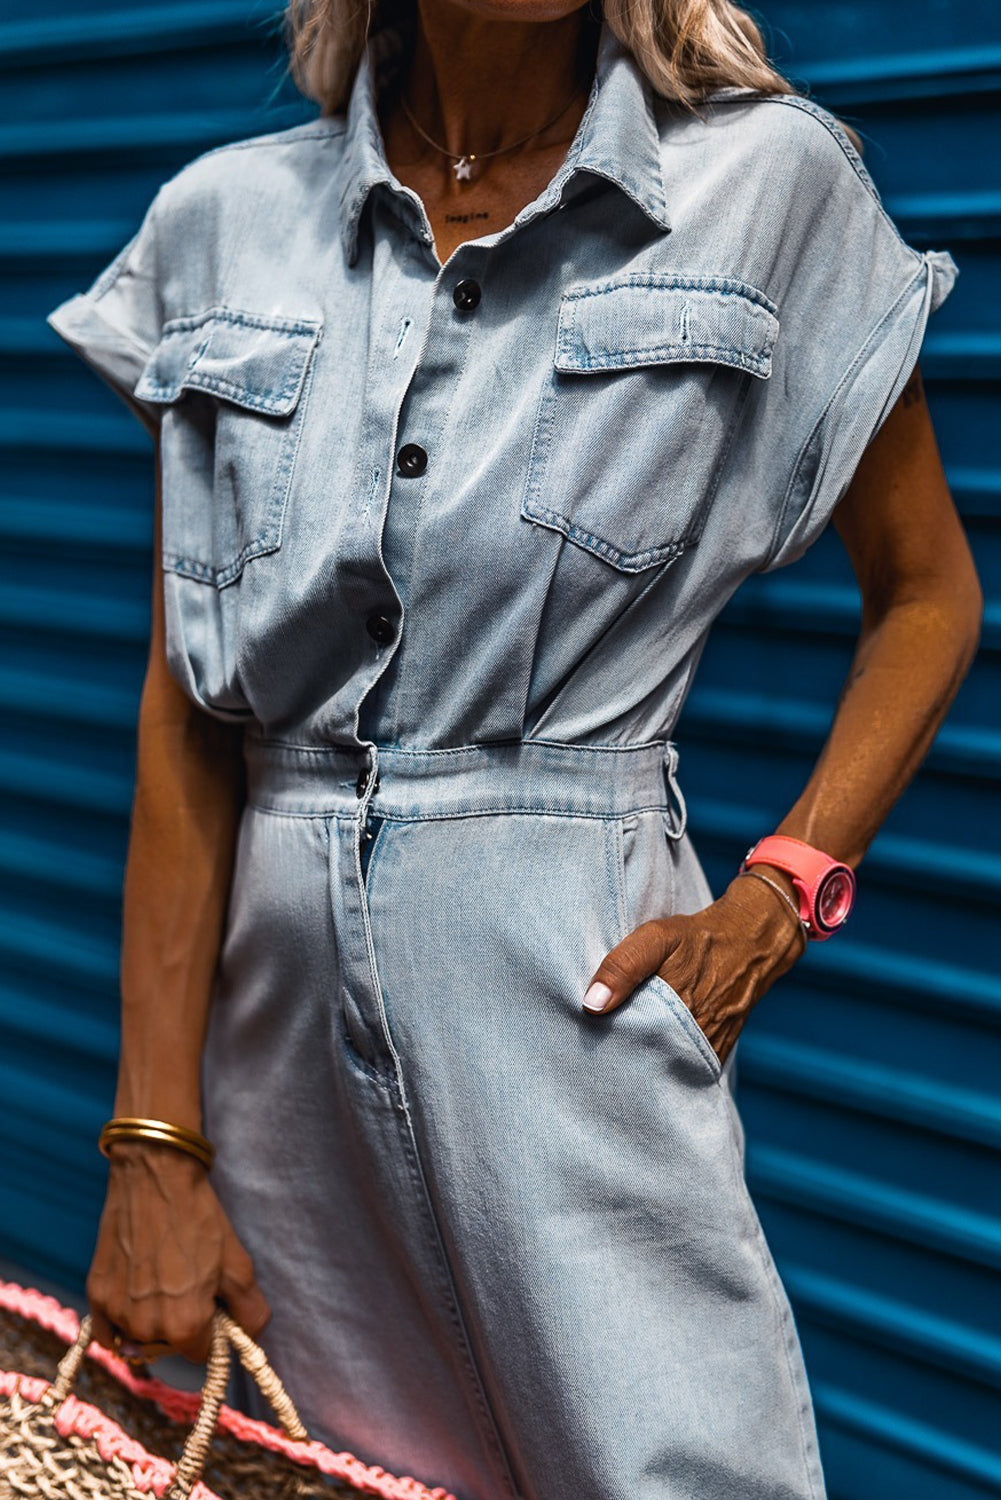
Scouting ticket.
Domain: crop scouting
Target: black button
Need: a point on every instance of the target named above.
(466, 295)
(411, 460)
(380, 629)
(361, 783)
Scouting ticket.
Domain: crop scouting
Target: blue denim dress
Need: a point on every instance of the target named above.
(448, 540)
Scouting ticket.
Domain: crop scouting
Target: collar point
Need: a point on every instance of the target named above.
(349, 244)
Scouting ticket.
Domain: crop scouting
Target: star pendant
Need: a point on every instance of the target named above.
(463, 168)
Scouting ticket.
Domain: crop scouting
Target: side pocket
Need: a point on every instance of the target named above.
(688, 1024)
(647, 891)
(646, 869)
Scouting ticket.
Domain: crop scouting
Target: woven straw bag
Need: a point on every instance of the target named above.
(118, 1443)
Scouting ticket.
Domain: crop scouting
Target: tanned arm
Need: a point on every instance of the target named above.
(921, 612)
(165, 1249)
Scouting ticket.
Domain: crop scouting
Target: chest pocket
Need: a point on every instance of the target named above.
(649, 378)
(234, 389)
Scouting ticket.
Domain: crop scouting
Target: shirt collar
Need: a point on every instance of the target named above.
(618, 139)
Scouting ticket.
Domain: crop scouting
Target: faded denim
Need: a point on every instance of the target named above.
(508, 1246)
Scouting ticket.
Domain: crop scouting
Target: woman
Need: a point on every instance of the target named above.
(475, 399)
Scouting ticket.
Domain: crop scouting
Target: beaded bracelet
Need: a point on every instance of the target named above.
(136, 1128)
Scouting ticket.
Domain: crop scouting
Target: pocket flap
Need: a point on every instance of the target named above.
(256, 362)
(649, 320)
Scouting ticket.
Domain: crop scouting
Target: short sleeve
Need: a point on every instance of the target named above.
(116, 323)
(852, 323)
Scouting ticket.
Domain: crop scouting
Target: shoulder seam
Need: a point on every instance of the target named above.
(830, 124)
(310, 131)
(824, 118)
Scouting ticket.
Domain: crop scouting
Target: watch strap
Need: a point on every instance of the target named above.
(809, 869)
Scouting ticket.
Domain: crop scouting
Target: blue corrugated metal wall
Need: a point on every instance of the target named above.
(99, 102)
(869, 1075)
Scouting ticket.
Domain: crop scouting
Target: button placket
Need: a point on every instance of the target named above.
(412, 459)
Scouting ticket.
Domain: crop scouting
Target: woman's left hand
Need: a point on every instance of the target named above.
(720, 960)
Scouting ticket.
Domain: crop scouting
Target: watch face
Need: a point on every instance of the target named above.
(835, 899)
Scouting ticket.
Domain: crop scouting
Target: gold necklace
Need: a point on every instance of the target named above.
(464, 164)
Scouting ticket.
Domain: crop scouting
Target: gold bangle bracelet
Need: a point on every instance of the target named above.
(135, 1128)
(121, 1122)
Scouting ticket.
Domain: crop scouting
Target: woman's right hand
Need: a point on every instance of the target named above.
(165, 1252)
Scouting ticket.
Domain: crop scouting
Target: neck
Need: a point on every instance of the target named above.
(476, 83)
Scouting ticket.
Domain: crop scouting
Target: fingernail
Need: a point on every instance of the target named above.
(597, 997)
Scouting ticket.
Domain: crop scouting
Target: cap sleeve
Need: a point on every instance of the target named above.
(852, 323)
(116, 323)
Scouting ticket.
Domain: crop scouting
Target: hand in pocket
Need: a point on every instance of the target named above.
(720, 960)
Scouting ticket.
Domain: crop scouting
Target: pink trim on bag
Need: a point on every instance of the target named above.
(76, 1418)
(152, 1473)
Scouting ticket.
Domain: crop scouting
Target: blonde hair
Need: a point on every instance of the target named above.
(685, 48)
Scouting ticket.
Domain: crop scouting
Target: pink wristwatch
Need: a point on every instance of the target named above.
(825, 886)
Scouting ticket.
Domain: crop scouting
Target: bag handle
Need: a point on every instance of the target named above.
(226, 1334)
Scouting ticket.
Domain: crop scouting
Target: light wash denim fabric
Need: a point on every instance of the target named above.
(509, 1247)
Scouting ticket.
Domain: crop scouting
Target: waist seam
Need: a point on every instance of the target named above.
(482, 748)
(533, 810)
(540, 777)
